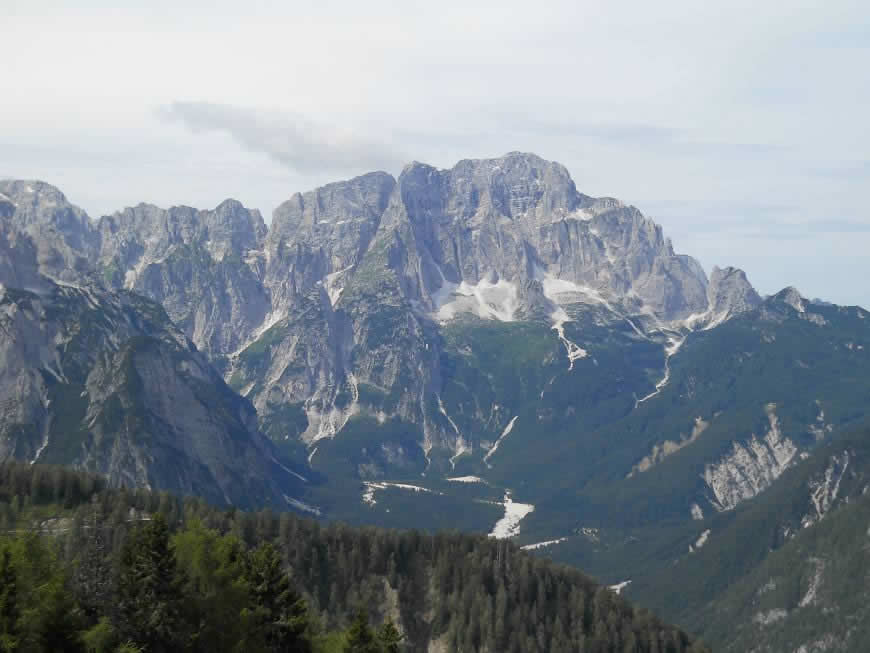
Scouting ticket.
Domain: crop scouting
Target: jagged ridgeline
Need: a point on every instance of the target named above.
(86, 568)
(358, 306)
(104, 380)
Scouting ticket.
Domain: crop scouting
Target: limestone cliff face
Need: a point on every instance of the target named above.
(336, 309)
(730, 293)
(105, 382)
(750, 467)
(64, 237)
(202, 266)
(520, 218)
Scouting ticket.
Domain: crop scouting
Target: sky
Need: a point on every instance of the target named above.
(741, 127)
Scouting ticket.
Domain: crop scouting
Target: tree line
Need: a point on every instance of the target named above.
(87, 568)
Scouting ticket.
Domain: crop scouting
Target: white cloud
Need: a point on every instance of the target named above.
(294, 141)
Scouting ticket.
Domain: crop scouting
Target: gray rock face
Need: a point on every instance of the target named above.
(316, 238)
(501, 239)
(204, 267)
(519, 218)
(19, 267)
(64, 237)
(335, 311)
(730, 292)
(105, 382)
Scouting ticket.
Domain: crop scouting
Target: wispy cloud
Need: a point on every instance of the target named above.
(302, 145)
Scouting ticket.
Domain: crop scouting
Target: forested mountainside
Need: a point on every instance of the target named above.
(85, 567)
(812, 594)
(784, 570)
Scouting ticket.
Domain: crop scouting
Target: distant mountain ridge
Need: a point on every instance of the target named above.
(503, 239)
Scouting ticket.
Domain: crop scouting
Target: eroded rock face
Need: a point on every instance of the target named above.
(105, 382)
(335, 311)
(730, 292)
(65, 239)
(750, 467)
(520, 218)
(202, 266)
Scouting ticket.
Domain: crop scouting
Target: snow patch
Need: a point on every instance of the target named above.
(465, 479)
(488, 300)
(541, 545)
(288, 470)
(701, 541)
(556, 290)
(704, 321)
(509, 525)
(373, 486)
(461, 445)
(40, 450)
(816, 581)
(504, 434)
(673, 347)
(696, 512)
(575, 352)
(304, 507)
(619, 586)
(590, 533)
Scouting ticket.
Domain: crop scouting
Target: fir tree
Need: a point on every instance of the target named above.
(92, 578)
(389, 637)
(280, 611)
(149, 594)
(8, 603)
(360, 638)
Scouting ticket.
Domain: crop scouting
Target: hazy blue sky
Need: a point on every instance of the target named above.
(741, 127)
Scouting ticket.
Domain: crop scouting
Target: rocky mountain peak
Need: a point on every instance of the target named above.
(791, 296)
(519, 217)
(318, 235)
(66, 240)
(306, 215)
(515, 185)
(730, 292)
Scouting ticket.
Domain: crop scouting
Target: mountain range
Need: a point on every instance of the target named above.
(483, 347)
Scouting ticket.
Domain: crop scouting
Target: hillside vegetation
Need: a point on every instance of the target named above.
(89, 568)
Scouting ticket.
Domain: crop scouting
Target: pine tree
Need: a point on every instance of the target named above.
(92, 577)
(149, 590)
(360, 638)
(280, 611)
(389, 637)
(8, 604)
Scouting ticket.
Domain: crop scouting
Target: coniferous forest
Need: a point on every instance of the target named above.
(88, 568)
